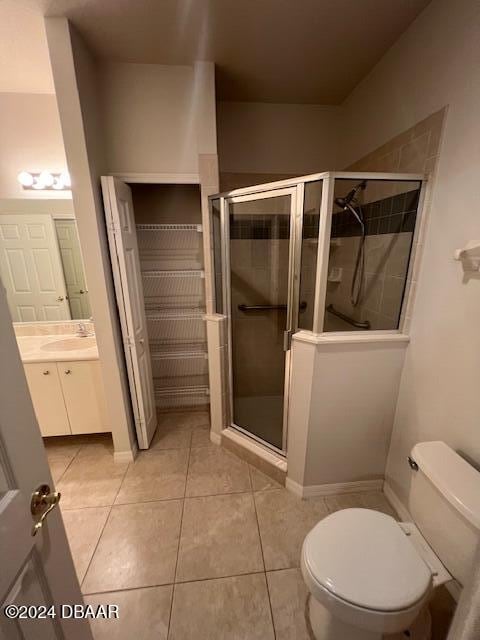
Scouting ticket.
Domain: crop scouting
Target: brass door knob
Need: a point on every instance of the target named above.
(68, 371)
(42, 502)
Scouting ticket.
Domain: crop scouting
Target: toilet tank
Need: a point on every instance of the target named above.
(444, 501)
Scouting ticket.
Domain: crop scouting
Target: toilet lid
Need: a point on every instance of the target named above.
(363, 557)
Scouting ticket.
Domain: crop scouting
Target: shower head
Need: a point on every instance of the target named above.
(345, 201)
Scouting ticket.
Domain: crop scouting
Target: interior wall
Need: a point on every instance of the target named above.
(56, 208)
(76, 87)
(31, 140)
(432, 65)
(274, 141)
(148, 116)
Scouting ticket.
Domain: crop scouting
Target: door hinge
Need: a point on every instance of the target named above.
(112, 227)
(287, 340)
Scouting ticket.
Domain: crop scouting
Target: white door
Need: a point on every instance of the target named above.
(31, 269)
(73, 268)
(122, 237)
(34, 570)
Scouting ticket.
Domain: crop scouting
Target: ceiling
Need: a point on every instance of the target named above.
(290, 51)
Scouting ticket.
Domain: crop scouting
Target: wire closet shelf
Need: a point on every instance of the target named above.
(171, 259)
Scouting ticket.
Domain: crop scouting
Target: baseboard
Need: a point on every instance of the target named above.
(396, 503)
(314, 490)
(294, 487)
(121, 457)
(216, 438)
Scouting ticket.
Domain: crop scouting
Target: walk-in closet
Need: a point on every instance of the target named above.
(170, 244)
(156, 242)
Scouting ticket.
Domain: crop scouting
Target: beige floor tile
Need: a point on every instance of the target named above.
(284, 521)
(138, 547)
(213, 470)
(84, 527)
(183, 419)
(369, 500)
(58, 465)
(156, 475)
(91, 481)
(219, 538)
(377, 500)
(201, 437)
(143, 614)
(62, 445)
(288, 597)
(171, 438)
(262, 482)
(98, 444)
(343, 501)
(226, 609)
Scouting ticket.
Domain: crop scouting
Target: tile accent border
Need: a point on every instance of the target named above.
(395, 214)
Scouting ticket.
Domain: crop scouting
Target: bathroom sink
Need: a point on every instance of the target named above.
(70, 344)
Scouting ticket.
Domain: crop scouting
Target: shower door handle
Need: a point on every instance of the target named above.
(287, 340)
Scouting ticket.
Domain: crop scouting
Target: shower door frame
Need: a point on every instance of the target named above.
(296, 220)
(297, 185)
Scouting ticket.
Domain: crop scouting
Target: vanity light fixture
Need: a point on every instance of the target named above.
(45, 181)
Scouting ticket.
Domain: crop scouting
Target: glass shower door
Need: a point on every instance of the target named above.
(261, 311)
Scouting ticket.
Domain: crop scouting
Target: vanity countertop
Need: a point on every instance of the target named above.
(57, 348)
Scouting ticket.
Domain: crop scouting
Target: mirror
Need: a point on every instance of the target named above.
(41, 265)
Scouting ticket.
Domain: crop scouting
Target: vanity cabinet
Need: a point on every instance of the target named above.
(83, 393)
(67, 397)
(47, 397)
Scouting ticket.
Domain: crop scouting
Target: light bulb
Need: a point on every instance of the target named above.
(46, 179)
(58, 184)
(25, 179)
(65, 179)
(38, 184)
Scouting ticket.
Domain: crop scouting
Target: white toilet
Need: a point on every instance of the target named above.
(371, 577)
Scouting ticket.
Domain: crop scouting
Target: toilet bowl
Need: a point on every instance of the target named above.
(367, 580)
(371, 577)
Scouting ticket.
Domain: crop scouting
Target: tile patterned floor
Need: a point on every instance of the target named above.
(189, 540)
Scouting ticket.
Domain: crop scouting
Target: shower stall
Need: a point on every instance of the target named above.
(327, 254)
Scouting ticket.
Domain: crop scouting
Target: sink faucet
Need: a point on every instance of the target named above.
(82, 331)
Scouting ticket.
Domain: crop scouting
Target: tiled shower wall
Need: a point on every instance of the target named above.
(415, 150)
(389, 226)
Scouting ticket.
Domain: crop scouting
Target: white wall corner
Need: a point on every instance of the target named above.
(302, 369)
(294, 487)
(215, 372)
(122, 457)
(205, 107)
(74, 75)
(216, 438)
(396, 503)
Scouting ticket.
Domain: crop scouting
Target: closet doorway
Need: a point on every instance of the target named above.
(156, 248)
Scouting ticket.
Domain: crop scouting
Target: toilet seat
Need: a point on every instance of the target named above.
(361, 565)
